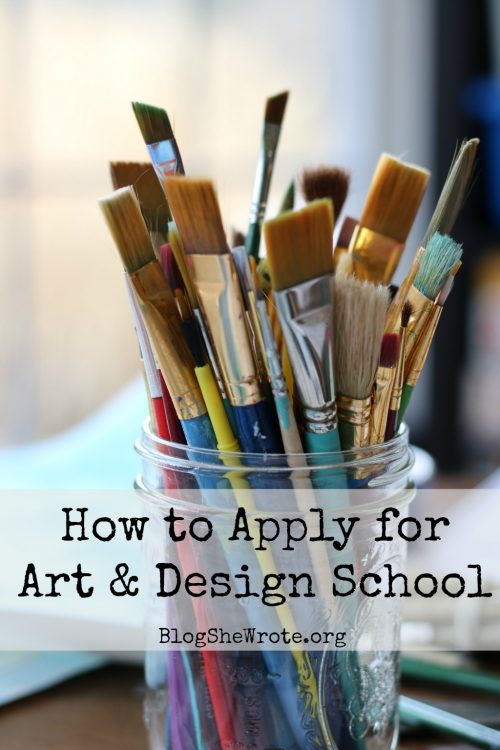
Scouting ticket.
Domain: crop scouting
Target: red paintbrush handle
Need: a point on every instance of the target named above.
(174, 426)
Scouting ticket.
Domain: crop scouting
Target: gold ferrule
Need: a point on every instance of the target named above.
(375, 256)
(380, 403)
(423, 345)
(158, 307)
(218, 289)
(393, 318)
(421, 309)
(397, 388)
(356, 412)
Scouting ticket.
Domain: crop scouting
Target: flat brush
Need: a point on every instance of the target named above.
(196, 211)
(271, 129)
(441, 255)
(125, 221)
(397, 389)
(382, 388)
(299, 247)
(152, 199)
(415, 363)
(393, 200)
(454, 190)
(226, 441)
(326, 182)
(159, 138)
(360, 309)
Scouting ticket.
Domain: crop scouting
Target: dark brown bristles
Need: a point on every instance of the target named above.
(326, 182)
(275, 108)
(153, 122)
(389, 350)
(406, 314)
(394, 197)
(196, 212)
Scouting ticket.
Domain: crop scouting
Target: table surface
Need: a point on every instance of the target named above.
(102, 710)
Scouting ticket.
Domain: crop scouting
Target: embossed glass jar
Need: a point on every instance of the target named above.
(256, 700)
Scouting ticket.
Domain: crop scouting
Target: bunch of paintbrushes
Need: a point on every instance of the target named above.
(306, 351)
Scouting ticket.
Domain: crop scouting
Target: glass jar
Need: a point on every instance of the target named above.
(284, 698)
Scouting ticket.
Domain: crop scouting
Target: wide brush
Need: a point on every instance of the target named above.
(299, 247)
(271, 129)
(196, 211)
(394, 197)
(360, 309)
(154, 207)
(159, 138)
(454, 190)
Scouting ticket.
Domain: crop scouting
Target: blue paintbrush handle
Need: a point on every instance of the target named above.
(200, 434)
(257, 428)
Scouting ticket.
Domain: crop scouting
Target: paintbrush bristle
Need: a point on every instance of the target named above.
(406, 314)
(299, 244)
(126, 223)
(441, 255)
(454, 190)
(389, 350)
(153, 122)
(360, 310)
(326, 182)
(345, 265)
(151, 196)
(346, 231)
(196, 211)
(275, 108)
(394, 197)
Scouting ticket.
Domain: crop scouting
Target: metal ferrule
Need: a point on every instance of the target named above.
(270, 137)
(380, 403)
(210, 351)
(356, 412)
(166, 159)
(306, 316)
(375, 256)
(424, 344)
(248, 291)
(147, 356)
(160, 316)
(421, 309)
(271, 357)
(218, 290)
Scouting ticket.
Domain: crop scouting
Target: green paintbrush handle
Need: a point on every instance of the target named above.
(426, 671)
(405, 400)
(252, 242)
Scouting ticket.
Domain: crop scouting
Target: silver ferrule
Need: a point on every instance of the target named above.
(165, 158)
(270, 137)
(272, 357)
(306, 317)
(148, 359)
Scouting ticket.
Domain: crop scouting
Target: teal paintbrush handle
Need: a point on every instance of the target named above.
(405, 400)
(252, 243)
(327, 442)
(417, 712)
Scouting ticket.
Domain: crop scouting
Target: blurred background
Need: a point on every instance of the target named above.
(365, 77)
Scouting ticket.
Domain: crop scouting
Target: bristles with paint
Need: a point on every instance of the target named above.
(153, 122)
(441, 254)
(389, 349)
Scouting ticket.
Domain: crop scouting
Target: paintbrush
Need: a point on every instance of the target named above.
(382, 388)
(397, 389)
(415, 363)
(360, 309)
(343, 241)
(393, 317)
(125, 221)
(395, 194)
(299, 247)
(160, 141)
(271, 129)
(154, 206)
(454, 190)
(326, 182)
(441, 255)
(288, 200)
(196, 211)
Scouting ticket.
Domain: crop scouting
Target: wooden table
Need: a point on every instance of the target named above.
(100, 711)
